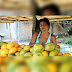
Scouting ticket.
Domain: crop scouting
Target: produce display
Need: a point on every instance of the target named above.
(14, 49)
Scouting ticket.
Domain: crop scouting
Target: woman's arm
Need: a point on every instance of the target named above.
(33, 40)
(53, 39)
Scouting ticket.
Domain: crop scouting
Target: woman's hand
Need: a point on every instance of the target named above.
(53, 38)
(31, 44)
(33, 40)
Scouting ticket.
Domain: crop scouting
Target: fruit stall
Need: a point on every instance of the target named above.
(17, 48)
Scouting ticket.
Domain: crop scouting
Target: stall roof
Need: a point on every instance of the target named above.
(55, 18)
(10, 19)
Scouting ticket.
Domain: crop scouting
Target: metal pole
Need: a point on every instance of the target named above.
(10, 32)
(52, 27)
(18, 31)
(34, 25)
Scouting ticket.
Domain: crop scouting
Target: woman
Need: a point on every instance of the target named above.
(43, 37)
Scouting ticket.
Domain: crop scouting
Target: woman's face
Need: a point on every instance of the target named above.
(44, 26)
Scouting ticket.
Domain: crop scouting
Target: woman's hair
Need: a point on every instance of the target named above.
(45, 20)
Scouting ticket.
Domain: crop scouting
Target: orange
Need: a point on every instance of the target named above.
(12, 50)
(22, 45)
(16, 45)
(45, 53)
(28, 54)
(19, 48)
(17, 53)
(4, 52)
(4, 55)
(66, 54)
(4, 46)
(60, 54)
(10, 45)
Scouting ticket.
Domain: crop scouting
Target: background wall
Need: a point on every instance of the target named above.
(20, 31)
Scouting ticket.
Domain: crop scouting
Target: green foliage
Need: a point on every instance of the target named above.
(68, 41)
(70, 22)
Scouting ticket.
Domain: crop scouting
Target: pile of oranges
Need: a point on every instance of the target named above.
(11, 48)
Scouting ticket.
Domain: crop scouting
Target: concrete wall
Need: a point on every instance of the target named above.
(25, 30)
